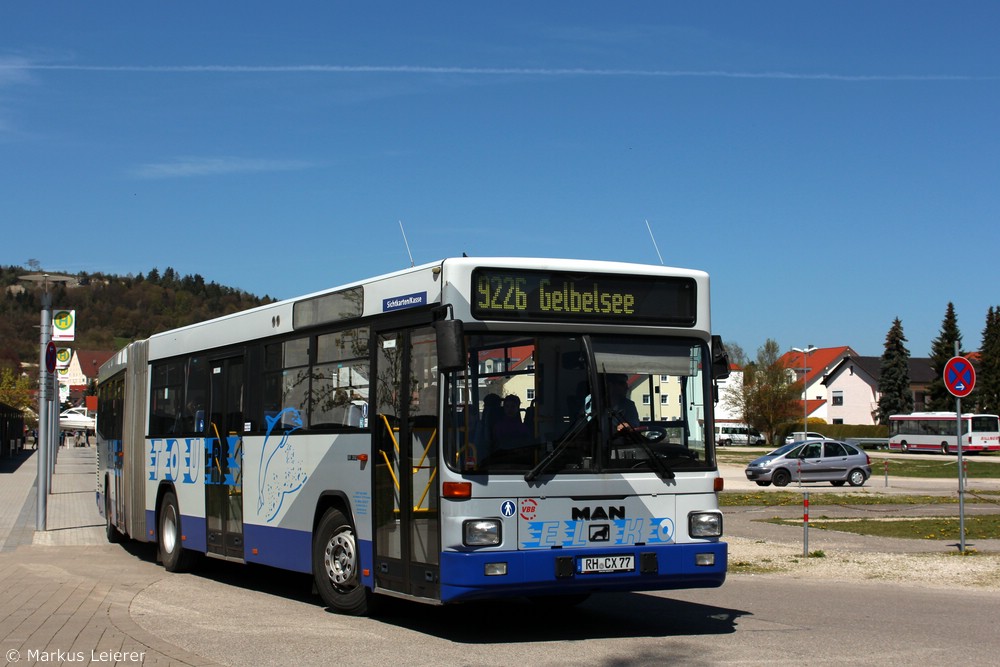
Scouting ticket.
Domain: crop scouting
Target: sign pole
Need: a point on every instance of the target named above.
(960, 379)
(961, 480)
(805, 524)
(961, 476)
(44, 399)
(48, 407)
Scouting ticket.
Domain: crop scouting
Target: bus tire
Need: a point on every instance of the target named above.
(172, 554)
(337, 566)
(904, 447)
(114, 537)
(944, 448)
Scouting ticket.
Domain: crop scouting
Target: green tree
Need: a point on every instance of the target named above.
(895, 395)
(15, 389)
(768, 397)
(736, 354)
(988, 376)
(943, 349)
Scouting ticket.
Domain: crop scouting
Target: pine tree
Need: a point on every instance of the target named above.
(988, 376)
(943, 349)
(895, 396)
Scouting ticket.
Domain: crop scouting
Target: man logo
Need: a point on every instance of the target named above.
(600, 532)
(597, 513)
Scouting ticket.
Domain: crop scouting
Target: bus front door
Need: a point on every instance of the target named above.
(224, 460)
(407, 538)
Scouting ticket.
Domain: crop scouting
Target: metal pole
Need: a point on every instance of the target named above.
(54, 426)
(961, 479)
(44, 434)
(805, 523)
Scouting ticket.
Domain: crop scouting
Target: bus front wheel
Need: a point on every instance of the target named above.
(336, 566)
(172, 553)
(110, 530)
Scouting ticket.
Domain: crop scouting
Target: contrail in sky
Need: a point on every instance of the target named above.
(487, 71)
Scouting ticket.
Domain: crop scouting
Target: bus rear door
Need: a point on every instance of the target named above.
(224, 464)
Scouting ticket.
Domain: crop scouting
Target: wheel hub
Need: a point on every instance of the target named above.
(340, 558)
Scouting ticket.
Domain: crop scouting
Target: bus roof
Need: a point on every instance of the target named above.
(937, 415)
(416, 286)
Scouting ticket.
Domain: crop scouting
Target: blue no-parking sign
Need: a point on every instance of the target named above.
(959, 376)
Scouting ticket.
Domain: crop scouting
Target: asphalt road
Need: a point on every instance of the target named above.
(240, 617)
(67, 590)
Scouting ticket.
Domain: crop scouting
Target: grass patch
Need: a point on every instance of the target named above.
(933, 528)
(901, 465)
(947, 467)
(790, 498)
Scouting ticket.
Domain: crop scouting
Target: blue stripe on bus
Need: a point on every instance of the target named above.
(534, 572)
(278, 547)
(192, 531)
(292, 549)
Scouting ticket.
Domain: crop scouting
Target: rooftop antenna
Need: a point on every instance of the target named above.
(655, 247)
(406, 242)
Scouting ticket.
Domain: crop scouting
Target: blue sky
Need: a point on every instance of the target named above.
(831, 165)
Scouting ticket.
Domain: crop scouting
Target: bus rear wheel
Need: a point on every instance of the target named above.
(944, 448)
(904, 447)
(337, 566)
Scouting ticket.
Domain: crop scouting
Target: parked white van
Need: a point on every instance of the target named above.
(737, 434)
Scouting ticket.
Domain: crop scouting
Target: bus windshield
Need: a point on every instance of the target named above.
(569, 404)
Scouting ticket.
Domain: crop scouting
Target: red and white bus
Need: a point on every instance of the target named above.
(937, 432)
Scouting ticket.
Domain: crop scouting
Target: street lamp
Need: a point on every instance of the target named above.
(48, 420)
(805, 398)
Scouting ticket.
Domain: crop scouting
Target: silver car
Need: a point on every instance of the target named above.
(812, 461)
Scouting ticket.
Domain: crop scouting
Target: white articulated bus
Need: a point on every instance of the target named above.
(938, 432)
(445, 433)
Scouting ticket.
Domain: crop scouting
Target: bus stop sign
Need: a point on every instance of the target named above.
(959, 377)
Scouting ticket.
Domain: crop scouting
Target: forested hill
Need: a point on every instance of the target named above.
(110, 310)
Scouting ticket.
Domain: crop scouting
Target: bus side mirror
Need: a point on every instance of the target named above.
(450, 345)
(720, 359)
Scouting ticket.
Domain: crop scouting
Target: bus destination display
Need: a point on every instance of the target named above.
(513, 294)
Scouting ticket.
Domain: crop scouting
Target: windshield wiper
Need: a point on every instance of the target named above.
(581, 422)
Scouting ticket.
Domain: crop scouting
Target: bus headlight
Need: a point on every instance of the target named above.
(705, 524)
(481, 532)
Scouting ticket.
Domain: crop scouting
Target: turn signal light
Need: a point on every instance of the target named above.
(456, 489)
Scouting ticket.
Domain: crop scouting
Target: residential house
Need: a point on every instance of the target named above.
(852, 387)
(813, 366)
(82, 370)
(841, 386)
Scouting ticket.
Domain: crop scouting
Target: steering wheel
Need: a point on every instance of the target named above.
(650, 433)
